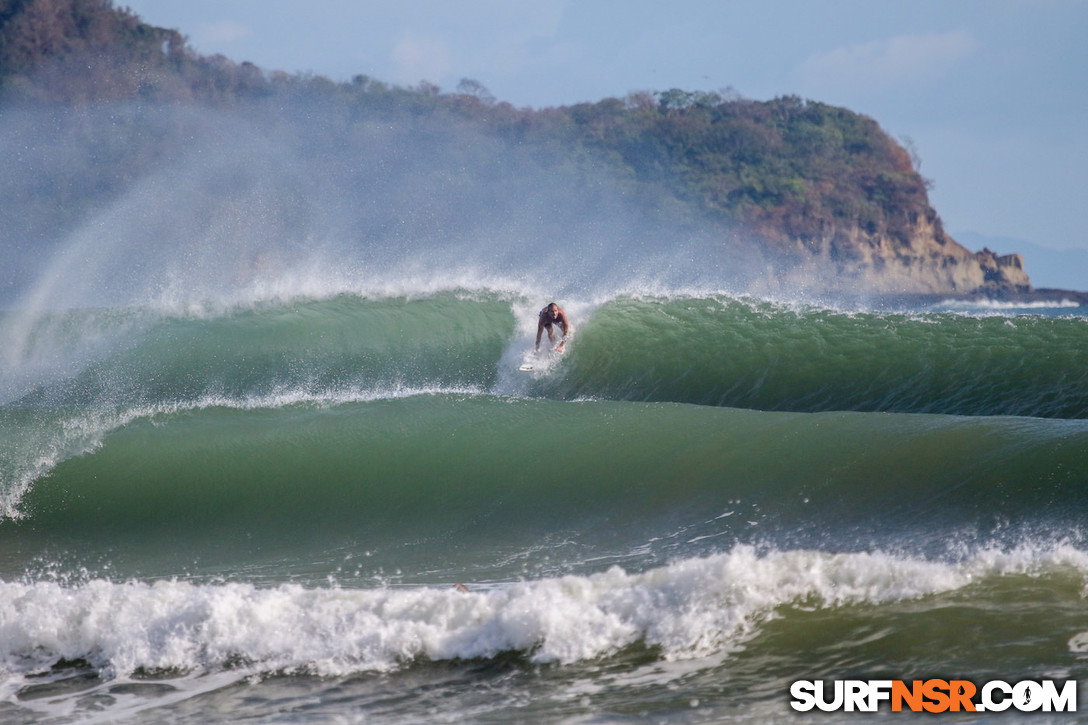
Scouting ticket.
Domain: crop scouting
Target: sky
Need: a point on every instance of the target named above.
(991, 95)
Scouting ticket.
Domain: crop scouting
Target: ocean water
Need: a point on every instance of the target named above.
(258, 509)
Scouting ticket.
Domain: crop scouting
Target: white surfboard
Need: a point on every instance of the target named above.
(544, 360)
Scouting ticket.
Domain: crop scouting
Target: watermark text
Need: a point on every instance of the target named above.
(933, 695)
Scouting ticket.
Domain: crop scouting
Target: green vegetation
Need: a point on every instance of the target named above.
(793, 171)
(787, 167)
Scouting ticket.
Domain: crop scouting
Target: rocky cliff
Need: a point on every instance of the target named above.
(928, 261)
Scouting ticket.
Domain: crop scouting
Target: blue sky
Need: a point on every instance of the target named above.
(993, 94)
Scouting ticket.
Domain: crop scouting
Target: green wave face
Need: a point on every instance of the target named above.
(722, 351)
(437, 480)
(342, 343)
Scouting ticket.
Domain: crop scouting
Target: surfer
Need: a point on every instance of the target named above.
(551, 315)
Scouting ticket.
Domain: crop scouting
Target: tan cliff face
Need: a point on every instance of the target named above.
(926, 262)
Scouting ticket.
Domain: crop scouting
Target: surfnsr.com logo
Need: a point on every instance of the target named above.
(934, 695)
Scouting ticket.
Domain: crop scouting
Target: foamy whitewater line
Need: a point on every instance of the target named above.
(84, 432)
(1003, 305)
(690, 609)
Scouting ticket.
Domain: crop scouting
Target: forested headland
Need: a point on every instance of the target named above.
(93, 99)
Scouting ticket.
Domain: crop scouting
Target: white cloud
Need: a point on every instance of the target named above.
(482, 39)
(221, 32)
(899, 60)
(540, 18)
(417, 58)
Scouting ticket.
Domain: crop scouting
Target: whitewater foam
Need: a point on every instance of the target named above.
(692, 608)
(1005, 306)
